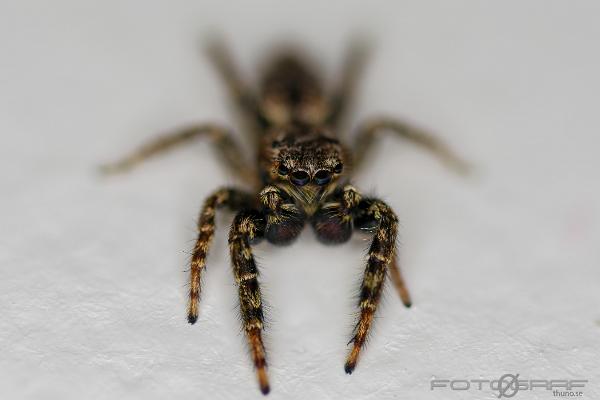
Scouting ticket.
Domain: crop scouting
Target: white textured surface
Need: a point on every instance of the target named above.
(504, 267)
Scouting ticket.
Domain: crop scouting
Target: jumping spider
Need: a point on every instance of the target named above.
(302, 175)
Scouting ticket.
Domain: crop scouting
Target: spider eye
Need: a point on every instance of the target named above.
(283, 170)
(338, 168)
(300, 178)
(322, 177)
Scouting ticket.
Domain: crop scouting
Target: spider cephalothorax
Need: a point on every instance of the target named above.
(302, 177)
(304, 161)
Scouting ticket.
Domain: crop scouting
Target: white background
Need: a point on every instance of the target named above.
(503, 266)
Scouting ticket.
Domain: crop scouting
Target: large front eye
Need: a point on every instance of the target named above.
(322, 177)
(300, 178)
(283, 170)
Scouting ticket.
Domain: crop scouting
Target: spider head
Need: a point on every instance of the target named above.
(308, 161)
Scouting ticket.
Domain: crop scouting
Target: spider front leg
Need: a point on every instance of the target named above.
(381, 253)
(371, 130)
(366, 221)
(235, 200)
(248, 226)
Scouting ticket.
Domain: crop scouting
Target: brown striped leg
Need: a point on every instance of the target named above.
(399, 283)
(247, 226)
(371, 130)
(236, 200)
(221, 138)
(380, 255)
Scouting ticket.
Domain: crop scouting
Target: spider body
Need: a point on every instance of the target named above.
(302, 177)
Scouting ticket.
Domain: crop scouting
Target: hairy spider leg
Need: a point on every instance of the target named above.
(343, 97)
(370, 131)
(235, 200)
(244, 98)
(221, 139)
(399, 283)
(246, 227)
(380, 255)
